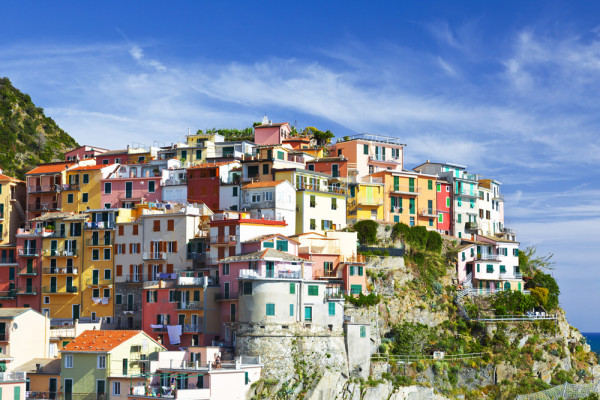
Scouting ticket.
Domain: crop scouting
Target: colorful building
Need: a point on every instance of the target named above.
(43, 376)
(24, 335)
(84, 152)
(444, 207)
(106, 363)
(204, 180)
(113, 157)
(274, 200)
(84, 186)
(366, 200)
(134, 184)
(270, 133)
(43, 188)
(12, 203)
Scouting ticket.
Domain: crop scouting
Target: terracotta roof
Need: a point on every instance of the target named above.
(49, 366)
(90, 167)
(211, 165)
(262, 254)
(262, 184)
(50, 168)
(9, 178)
(99, 341)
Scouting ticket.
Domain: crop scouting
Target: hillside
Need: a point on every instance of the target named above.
(27, 136)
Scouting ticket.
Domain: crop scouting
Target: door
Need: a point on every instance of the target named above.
(308, 313)
(95, 276)
(100, 389)
(335, 171)
(270, 269)
(130, 302)
(369, 199)
(53, 247)
(128, 190)
(226, 290)
(507, 286)
(182, 320)
(70, 284)
(430, 207)
(232, 311)
(29, 285)
(194, 322)
(52, 284)
(95, 238)
(68, 389)
(52, 388)
(75, 311)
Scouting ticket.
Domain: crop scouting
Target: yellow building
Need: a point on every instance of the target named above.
(62, 264)
(366, 200)
(409, 197)
(83, 188)
(12, 197)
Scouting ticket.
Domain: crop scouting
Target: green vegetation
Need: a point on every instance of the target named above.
(321, 137)
(364, 301)
(418, 237)
(367, 231)
(530, 263)
(542, 280)
(232, 135)
(27, 136)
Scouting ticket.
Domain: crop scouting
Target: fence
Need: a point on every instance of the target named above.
(416, 357)
(392, 251)
(566, 391)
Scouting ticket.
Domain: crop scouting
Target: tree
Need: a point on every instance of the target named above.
(542, 280)
(530, 263)
(367, 231)
(321, 137)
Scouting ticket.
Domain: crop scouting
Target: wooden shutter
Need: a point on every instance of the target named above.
(149, 272)
(121, 230)
(175, 247)
(135, 229)
(130, 270)
(130, 248)
(119, 270)
(157, 225)
(170, 225)
(169, 268)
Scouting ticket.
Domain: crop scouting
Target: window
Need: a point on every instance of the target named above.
(107, 187)
(117, 384)
(313, 290)
(313, 223)
(170, 225)
(448, 202)
(352, 270)
(106, 293)
(247, 288)
(292, 288)
(308, 313)
(282, 245)
(490, 269)
(502, 269)
(84, 197)
(95, 254)
(268, 245)
(311, 167)
(430, 221)
(363, 331)
(396, 218)
(235, 191)
(280, 155)
(440, 218)
(356, 289)
(151, 186)
(516, 252)
(313, 201)
(107, 254)
(334, 203)
(265, 169)
(107, 274)
(134, 230)
(459, 218)
(119, 299)
(439, 187)
(360, 270)
(412, 221)
(365, 149)
(95, 293)
(430, 184)
(268, 196)
(270, 309)
(70, 198)
(291, 310)
(68, 361)
(331, 308)
(46, 299)
(225, 269)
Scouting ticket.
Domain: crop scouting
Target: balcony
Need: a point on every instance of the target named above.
(135, 278)
(42, 188)
(30, 290)
(193, 281)
(175, 182)
(466, 193)
(57, 234)
(472, 226)
(13, 376)
(98, 282)
(259, 205)
(498, 196)
(8, 294)
(29, 252)
(358, 258)
(32, 271)
(381, 159)
(129, 307)
(488, 256)
(59, 332)
(60, 253)
(468, 177)
(223, 239)
(154, 255)
(196, 256)
(511, 275)
(428, 212)
(194, 305)
(509, 231)
(8, 260)
(226, 296)
(59, 290)
(409, 190)
(60, 271)
(99, 225)
(43, 206)
(190, 328)
(98, 242)
(252, 274)
(69, 187)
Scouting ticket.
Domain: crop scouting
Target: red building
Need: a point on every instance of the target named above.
(29, 268)
(112, 157)
(84, 153)
(204, 180)
(337, 167)
(444, 209)
(8, 276)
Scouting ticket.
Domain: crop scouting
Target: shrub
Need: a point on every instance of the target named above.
(364, 301)
(417, 236)
(434, 241)
(367, 231)
(542, 280)
(540, 294)
(400, 231)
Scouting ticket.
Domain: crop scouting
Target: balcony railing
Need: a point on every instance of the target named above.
(380, 158)
(194, 305)
(43, 206)
(69, 186)
(192, 328)
(60, 271)
(60, 252)
(472, 225)
(100, 225)
(154, 255)
(8, 260)
(192, 280)
(488, 256)
(358, 258)
(98, 242)
(60, 290)
(58, 332)
(29, 271)
(175, 182)
(29, 252)
(252, 274)
(42, 188)
(226, 296)
(98, 282)
(510, 275)
(412, 190)
(466, 193)
(259, 205)
(509, 231)
(428, 212)
(196, 256)
(57, 234)
(27, 290)
(135, 278)
(13, 376)
(8, 294)
(223, 239)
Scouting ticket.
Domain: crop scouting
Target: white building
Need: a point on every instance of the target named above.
(275, 200)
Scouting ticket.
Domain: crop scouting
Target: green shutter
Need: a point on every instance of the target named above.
(292, 288)
(396, 218)
(365, 149)
(270, 309)
(430, 184)
(268, 245)
(291, 310)
(360, 270)
(282, 245)
(331, 308)
(352, 270)
(363, 331)
(396, 183)
(313, 290)
(356, 289)
(17, 393)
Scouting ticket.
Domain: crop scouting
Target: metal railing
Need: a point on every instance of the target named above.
(488, 256)
(175, 182)
(259, 205)
(509, 231)
(221, 239)
(154, 255)
(27, 290)
(192, 328)
(69, 186)
(59, 290)
(565, 391)
(13, 376)
(406, 189)
(60, 271)
(193, 305)
(135, 278)
(472, 225)
(428, 212)
(226, 296)
(98, 242)
(8, 294)
(43, 206)
(483, 292)
(29, 252)
(98, 282)
(404, 358)
(99, 225)
(42, 188)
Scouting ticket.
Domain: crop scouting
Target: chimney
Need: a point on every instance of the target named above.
(38, 367)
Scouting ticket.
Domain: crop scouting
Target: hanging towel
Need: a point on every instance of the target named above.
(105, 300)
(156, 326)
(174, 332)
(96, 300)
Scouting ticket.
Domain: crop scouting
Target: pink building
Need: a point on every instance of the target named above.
(269, 133)
(444, 210)
(132, 184)
(43, 183)
(113, 157)
(84, 153)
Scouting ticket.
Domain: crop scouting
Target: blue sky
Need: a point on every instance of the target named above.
(510, 89)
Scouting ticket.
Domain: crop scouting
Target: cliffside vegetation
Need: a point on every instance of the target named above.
(27, 136)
